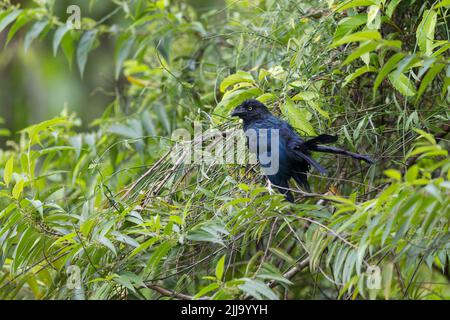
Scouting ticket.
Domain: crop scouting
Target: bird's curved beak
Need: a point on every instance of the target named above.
(237, 112)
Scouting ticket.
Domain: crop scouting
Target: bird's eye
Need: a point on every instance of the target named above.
(250, 108)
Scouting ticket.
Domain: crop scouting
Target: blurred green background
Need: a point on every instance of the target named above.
(36, 86)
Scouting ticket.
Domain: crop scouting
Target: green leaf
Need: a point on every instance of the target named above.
(107, 243)
(33, 33)
(257, 289)
(373, 17)
(429, 77)
(20, 22)
(266, 97)
(159, 254)
(425, 32)
(5, 212)
(386, 69)
(25, 248)
(143, 246)
(207, 289)
(84, 47)
(163, 116)
(357, 37)
(9, 167)
(359, 72)
(315, 105)
(443, 3)
(207, 236)
(132, 130)
(123, 47)
(59, 35)
(274, 277)
(391, 7)
(125, 282)
(394, 174)
(220, 268)
(412, 173)
(426, 135)
(18, 188)
(34, 130)
(283, 255)
(232, 100)
(238, 77)
(363, 49)
(5, 132)
(68, 46)
(354, 3)
(402, 84)
(8, 18)
(147, 123)
(298, 118)
(305, 96)
(348, 24)
(407, 64)
(441, 50)
(310, 97)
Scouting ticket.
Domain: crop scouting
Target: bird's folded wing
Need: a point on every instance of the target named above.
(321, 139)
(296, 151)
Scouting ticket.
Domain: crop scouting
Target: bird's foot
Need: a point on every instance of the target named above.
(270, 187)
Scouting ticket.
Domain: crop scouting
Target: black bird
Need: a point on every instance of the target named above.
(294, 153)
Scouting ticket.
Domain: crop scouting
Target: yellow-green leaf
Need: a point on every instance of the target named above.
(403, 84)
(425, 31)
(232, 100)
(305, 96)
(238, 77)
(348, 24)
(220, 268)
(207, 289)
(412, 173)
(355, 3)
(443, 3)
(9, 167)
(363, 49)
(394, 174)
(357, 37)
(18, 188)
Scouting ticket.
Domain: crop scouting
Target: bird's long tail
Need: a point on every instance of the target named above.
(334, 150)
(322, 139)
(313, 145)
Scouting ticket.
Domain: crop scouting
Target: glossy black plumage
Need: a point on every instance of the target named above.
(294, 153)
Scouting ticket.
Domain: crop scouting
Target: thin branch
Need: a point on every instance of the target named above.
(288, 275)
(170, 293)
(291, 272)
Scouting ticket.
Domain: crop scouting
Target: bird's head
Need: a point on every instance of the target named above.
(250, 109)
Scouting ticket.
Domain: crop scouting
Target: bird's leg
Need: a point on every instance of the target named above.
(282, 187)
(336, 150)
(270, 187)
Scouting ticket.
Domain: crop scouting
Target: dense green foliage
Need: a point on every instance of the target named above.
(138, 226)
